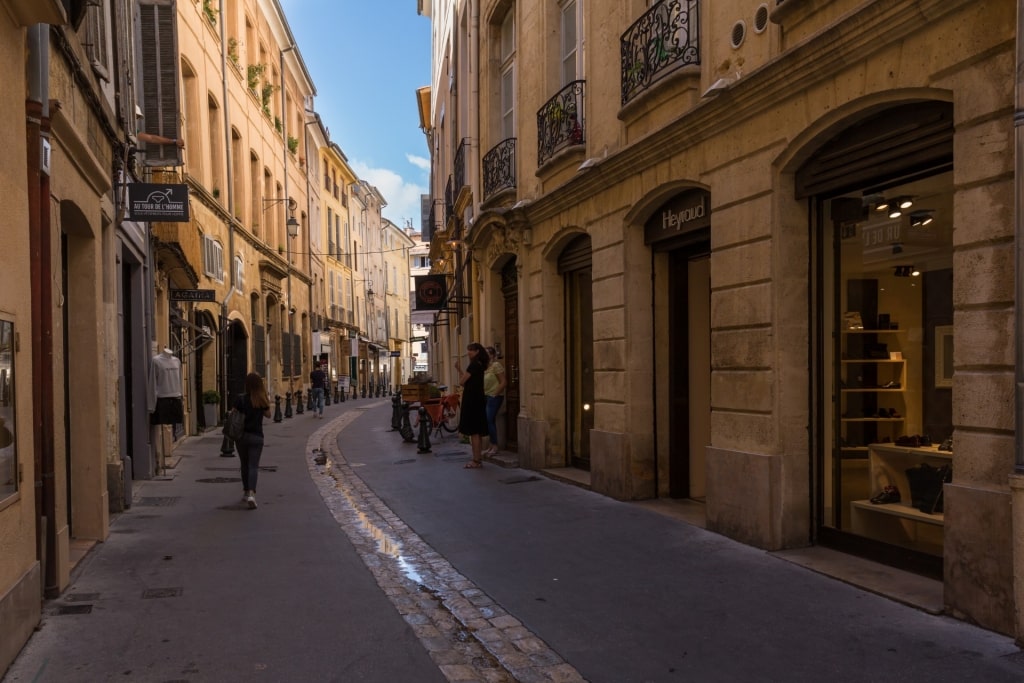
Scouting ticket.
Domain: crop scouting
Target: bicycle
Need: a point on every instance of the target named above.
(443, 413)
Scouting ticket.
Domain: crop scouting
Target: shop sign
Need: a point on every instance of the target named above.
(684, 213)
(158, 202)
(193, 295)
(396, 354)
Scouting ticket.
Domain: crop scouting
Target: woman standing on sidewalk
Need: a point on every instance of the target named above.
(473, 416)
(255, 405)
(494, 389)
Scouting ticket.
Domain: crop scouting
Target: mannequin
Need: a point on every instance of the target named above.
(164, 400)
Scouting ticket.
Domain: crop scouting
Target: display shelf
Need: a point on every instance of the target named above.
(885, 331)
(869, 390)
(899, 510)
(899, 523)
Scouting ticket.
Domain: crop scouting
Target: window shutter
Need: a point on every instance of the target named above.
(158, 47)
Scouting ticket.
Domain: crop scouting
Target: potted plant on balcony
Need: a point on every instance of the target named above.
(211, 405)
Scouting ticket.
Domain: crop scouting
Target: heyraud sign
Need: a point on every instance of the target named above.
(686, 212)
(161, 203)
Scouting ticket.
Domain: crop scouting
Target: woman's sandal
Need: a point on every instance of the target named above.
(473, 464)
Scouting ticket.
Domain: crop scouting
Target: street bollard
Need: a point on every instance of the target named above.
(227, 448)
(327, 395)
(309, 401)
(287, 404)
(277, 409)
(423, 444)
(396, 413)
(406, 428)
(298, 401)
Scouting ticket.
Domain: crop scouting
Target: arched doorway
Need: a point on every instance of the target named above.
(679, 235)
(574, 265)
(205, 377)
(237, 345)
(510, 295)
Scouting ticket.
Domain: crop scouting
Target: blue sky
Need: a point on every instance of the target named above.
(367, 58)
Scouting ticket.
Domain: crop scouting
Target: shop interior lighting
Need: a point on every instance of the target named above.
(921, 218)
(906, 271)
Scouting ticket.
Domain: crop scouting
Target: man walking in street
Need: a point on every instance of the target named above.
(318, 382)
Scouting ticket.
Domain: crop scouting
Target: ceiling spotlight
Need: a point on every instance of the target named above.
(904, 202)
(895, 211)
(882, 205)
(915, 271)
(921, 218)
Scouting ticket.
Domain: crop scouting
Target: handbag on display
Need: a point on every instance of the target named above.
(234, 425)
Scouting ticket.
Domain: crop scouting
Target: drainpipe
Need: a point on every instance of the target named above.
(231, 219)
(1018, 138)
(226, 445)
(1016, 478)
(41, 248)
(290, 310)
(474, 101)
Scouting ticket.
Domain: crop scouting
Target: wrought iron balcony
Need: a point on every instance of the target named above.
(500, 167)
(459, 167)
(560, 122)
(666, 37)
(449, 201)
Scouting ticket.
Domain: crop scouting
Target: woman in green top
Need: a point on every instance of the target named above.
(494, 389)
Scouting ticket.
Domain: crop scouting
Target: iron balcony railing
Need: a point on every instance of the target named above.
(459, 168)
(560, 122)
(500, 167)
(665, 38)
(449, 201)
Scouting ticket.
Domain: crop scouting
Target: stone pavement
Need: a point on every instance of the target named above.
(370, 561)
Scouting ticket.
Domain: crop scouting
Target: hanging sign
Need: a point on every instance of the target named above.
(430, 292)
(158, 202)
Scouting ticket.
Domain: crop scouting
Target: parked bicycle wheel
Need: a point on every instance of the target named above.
(450, 423)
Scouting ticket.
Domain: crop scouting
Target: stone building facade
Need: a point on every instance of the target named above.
(757, 256)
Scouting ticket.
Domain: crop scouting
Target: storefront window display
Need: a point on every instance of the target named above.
(888, 316)
(8, 442)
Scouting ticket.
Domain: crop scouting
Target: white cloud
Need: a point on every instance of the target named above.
(402, 196)
(419, 162)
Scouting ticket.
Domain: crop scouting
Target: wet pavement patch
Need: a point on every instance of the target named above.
(220, 480)
(81, 597)
(405, 462)
(115, 530)
(162, 592)
(63, 610)
(520, 480)
(158, 501)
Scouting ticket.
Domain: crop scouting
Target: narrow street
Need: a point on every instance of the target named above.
(384, 565)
